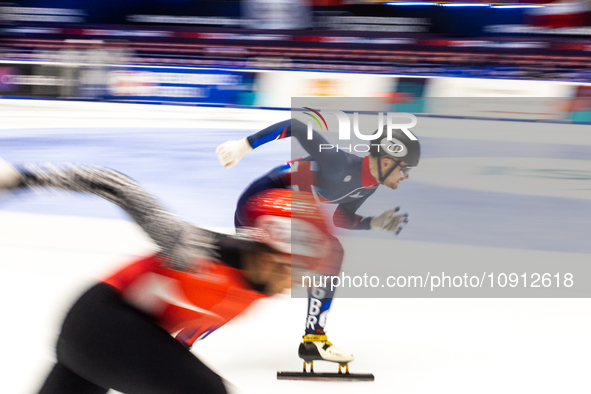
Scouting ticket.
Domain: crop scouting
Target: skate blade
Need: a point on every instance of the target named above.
(326, 376)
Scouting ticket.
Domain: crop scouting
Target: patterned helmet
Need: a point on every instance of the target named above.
(288, 221)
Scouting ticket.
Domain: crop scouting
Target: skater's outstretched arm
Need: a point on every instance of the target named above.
(178, 240)
(345, 217)
(231, 152)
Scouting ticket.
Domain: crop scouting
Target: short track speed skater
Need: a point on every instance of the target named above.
(318, 348)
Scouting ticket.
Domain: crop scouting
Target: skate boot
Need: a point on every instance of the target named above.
(317, 347)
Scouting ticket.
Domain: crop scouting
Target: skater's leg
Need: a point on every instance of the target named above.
(319, 301)
(314, 344)
(320, 298)
(114, 345)
(63, 381)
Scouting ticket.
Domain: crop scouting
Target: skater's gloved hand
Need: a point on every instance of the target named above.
(231, 152)
(389, 221)
(9, 176)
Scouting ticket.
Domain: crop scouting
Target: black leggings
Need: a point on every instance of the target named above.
(107, 344)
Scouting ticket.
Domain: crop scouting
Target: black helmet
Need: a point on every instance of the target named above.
(400, 148)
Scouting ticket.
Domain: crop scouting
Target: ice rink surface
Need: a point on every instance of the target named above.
(503, 191)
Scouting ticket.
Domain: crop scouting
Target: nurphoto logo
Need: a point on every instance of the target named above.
(392, 145)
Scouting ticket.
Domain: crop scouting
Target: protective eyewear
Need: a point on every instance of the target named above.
(404, 170)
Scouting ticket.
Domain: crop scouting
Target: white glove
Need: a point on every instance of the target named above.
(9, 176)
(231, 152)
(389, 221)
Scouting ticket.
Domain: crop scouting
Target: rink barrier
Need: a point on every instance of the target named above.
(243, 107)
(274, 89)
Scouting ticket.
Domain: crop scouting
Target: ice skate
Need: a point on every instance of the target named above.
(317, 347)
